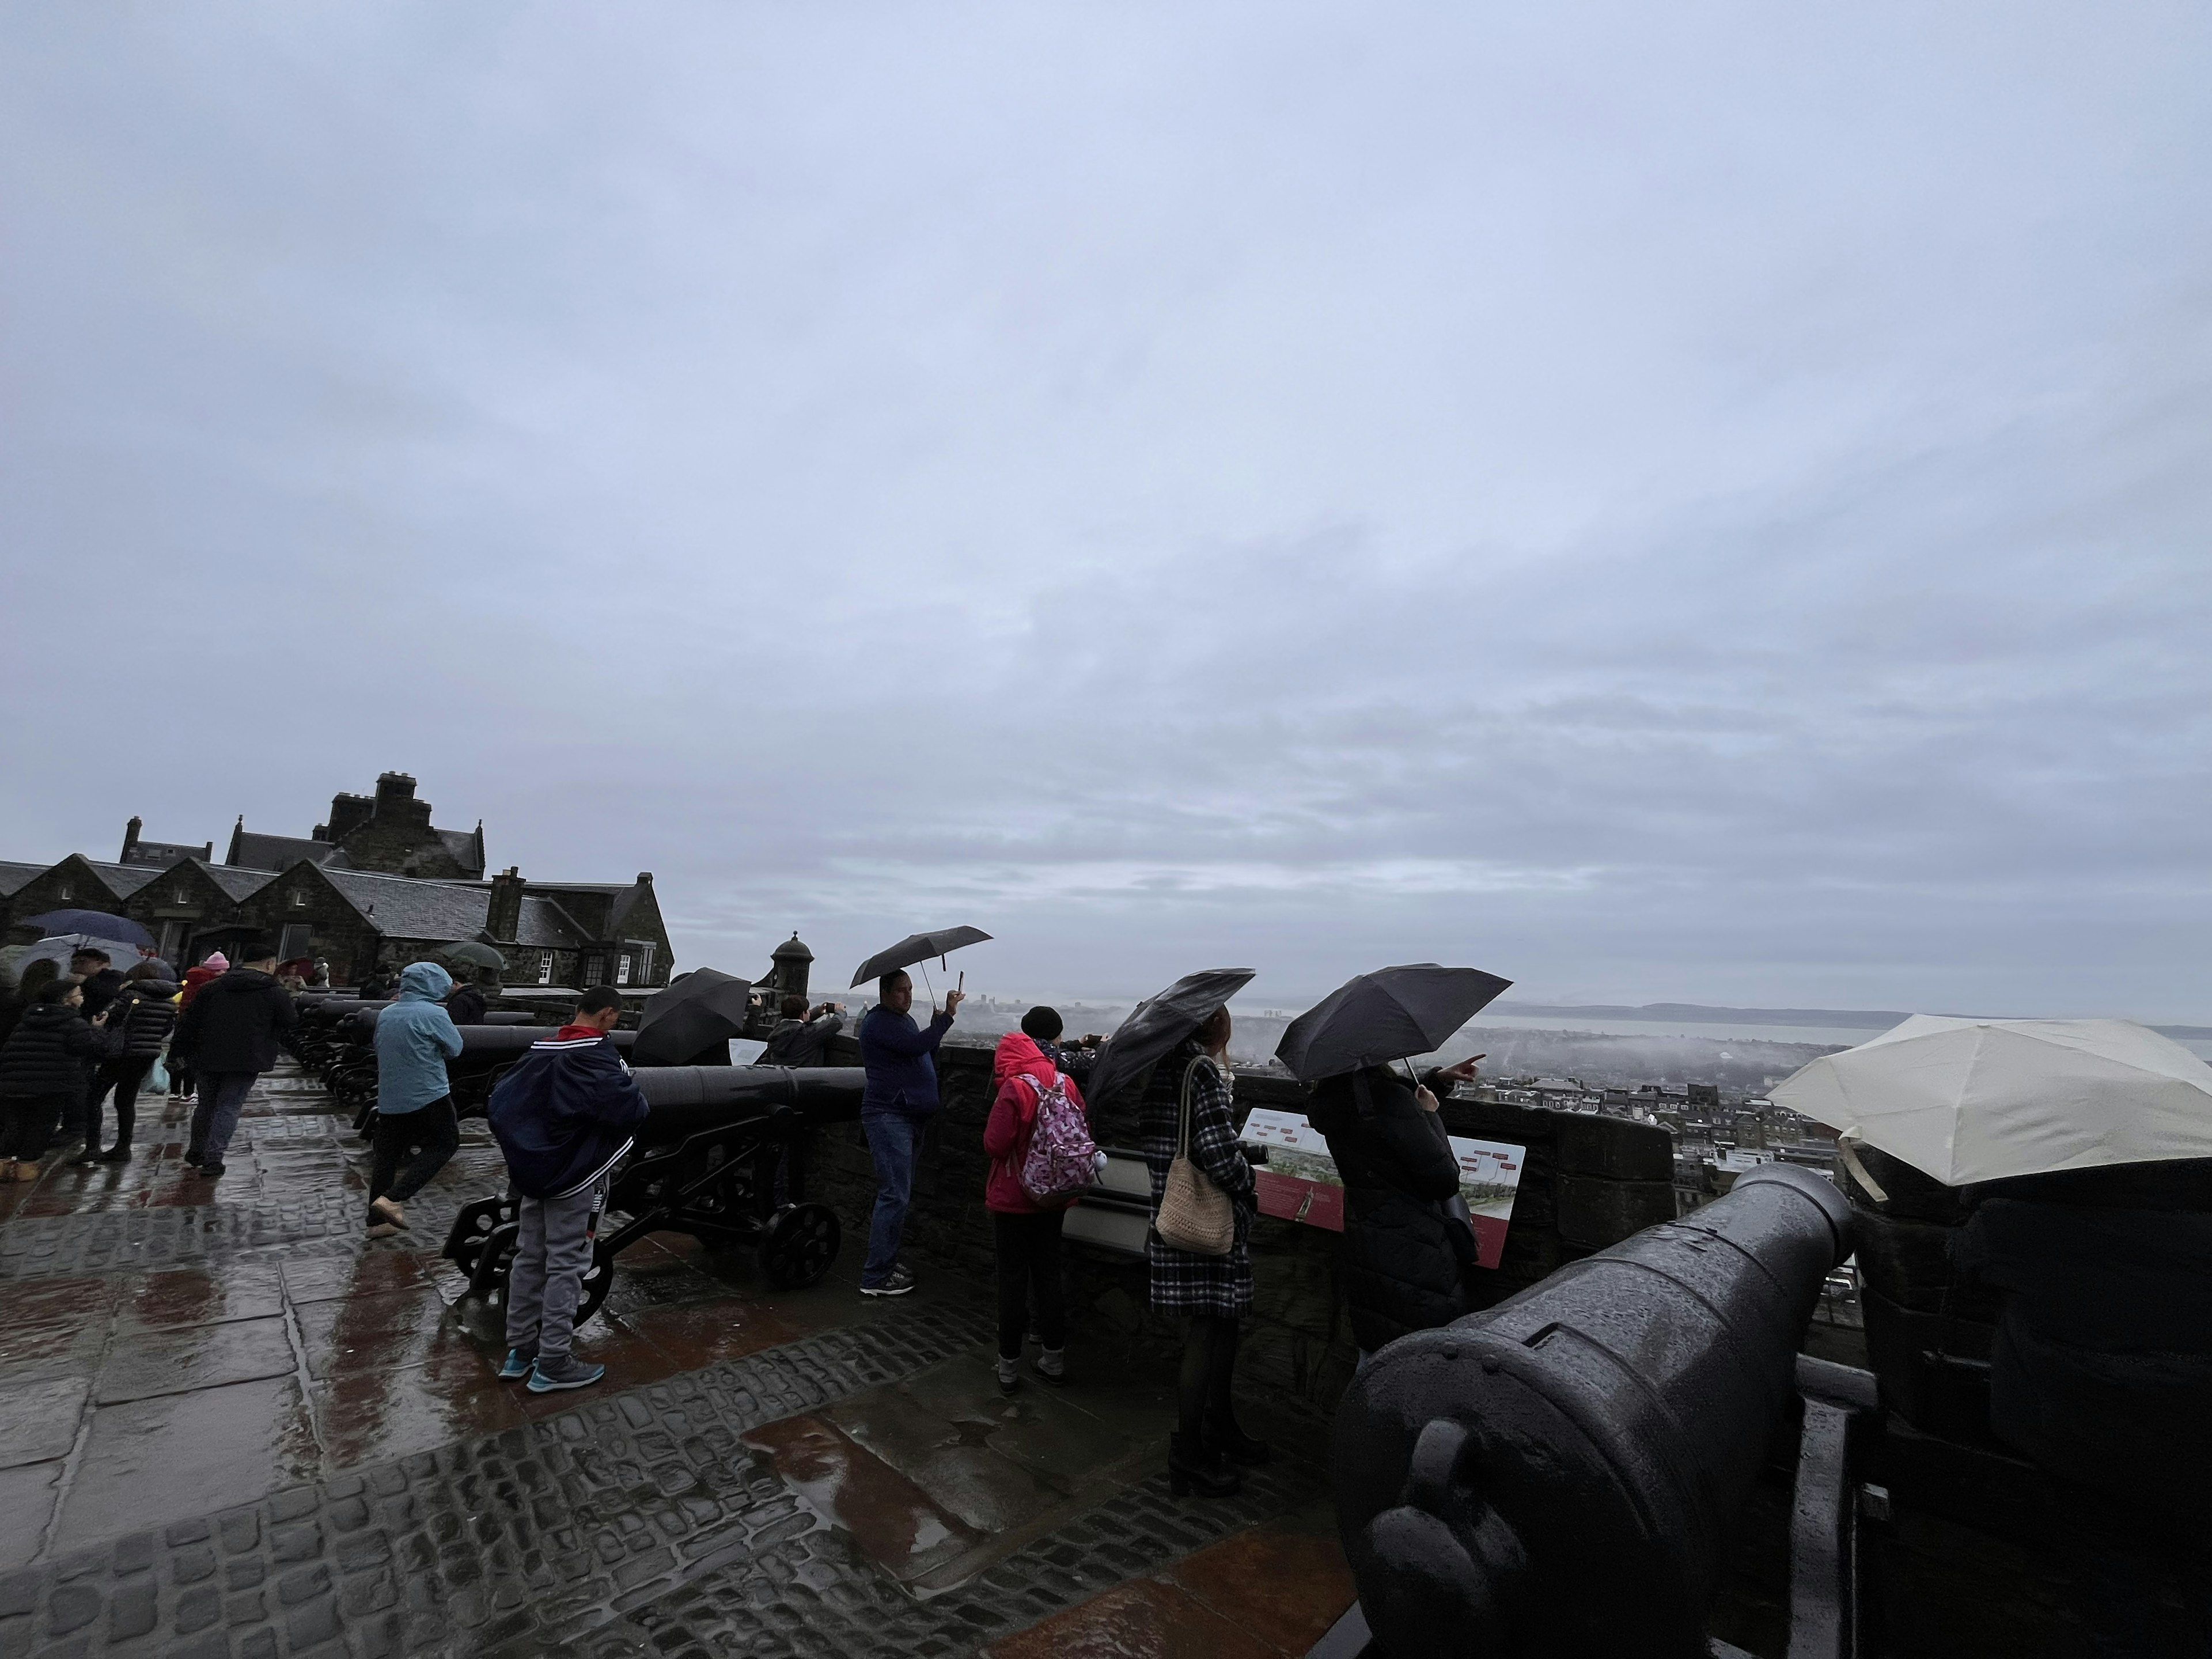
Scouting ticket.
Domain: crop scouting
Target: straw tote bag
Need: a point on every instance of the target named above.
(1195, 1213)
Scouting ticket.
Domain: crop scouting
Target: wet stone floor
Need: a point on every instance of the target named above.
(232, 1425)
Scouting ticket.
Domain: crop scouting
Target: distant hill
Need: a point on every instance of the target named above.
(1872, 1019)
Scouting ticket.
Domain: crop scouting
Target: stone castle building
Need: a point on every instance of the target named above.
(375, 883)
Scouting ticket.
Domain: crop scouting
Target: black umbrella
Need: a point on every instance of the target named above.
(471, 953)
(705, 1007)
(917, 947)
(98, 923)
(1157, 1024)
(1374, 1018)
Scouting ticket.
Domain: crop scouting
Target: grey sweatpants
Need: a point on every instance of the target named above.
(552, 1248)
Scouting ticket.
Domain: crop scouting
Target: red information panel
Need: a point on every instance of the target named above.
(1299, 1180)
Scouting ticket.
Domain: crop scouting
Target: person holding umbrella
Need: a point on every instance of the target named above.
(896, 1107)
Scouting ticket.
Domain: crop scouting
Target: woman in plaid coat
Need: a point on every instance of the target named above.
(1211, 1292)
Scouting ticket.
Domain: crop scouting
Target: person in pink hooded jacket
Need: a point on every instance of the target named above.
(1026, 1234)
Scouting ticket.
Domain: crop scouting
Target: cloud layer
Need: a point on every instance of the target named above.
(1697, 505)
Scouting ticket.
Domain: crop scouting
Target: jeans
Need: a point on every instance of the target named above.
(27, 1124)
(1028, 1265)
(124, 1076)
(215, 1119)
(552, 1248)
(893, 1143)
(434, 1134)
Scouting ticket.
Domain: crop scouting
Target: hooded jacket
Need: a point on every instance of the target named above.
(143, 1016)
(1024, 1072)
(415, 1038)
(564, 1113)
(1402, 1262)
(898, 1057)
(801, 1041)
(235, 1024)
(464, 1003)
(198, 979)
(46, 1055)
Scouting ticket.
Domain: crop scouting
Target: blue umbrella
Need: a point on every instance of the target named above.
(98, 923)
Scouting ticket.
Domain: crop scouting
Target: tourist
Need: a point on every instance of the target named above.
(229, 1033)
(1403, 1263)
(318, 978)
(181, 1084)
(140, 1019)
(1025, 1232)
(378, 985)
(37, 976)
(102, 983)
(1044, 1027)
(897, 1103)
(465, 1003)
(1212, 1293)
(563, 1115)
(801, 1037)
(413, 1131)
(42, 1070)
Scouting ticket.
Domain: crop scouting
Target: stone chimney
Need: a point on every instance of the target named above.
(504, 917)
(130, 838)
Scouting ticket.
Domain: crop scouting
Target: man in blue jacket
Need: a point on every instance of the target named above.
(896, 1107)
(415, 1038)
(563, 1115)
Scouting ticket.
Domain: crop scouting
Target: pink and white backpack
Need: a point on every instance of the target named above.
(1059, 1164)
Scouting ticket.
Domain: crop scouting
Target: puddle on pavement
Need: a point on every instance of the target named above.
(1141, 1619)
(891, 1519)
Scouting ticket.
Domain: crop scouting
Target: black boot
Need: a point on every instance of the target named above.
(1193, 1468)
(1223, 1438)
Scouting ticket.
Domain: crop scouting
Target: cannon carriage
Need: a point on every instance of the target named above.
(722, 1156)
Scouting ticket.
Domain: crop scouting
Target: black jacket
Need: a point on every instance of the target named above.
(45, 1054)
(1403, 1259)
(100, 989)
(801, 1041)
(143, 1016)
(465, 1006)
(235, 1024)
(564, 1113)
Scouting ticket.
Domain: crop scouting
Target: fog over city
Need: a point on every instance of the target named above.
(1702, 504)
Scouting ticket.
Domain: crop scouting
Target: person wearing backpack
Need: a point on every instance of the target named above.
(143, 1015)
(1041, 1156)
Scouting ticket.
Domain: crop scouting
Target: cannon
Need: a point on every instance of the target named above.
(722, 1156)
(1559, 1475)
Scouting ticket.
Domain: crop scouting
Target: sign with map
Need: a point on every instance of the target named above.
(1299, 1181)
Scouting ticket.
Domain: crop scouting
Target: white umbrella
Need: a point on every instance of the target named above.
(1967, 1100)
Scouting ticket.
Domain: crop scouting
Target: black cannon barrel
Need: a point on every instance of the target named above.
(483, 1045)
(687, 1099)
(1558, 1475)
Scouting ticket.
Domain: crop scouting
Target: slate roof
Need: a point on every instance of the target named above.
(124, 879)
(14, 878)
(250, 851)
(462, 844)
(547, 926)
(404, 907)
(237, 882)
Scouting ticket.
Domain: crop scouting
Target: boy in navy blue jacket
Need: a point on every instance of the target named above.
(563, 1116)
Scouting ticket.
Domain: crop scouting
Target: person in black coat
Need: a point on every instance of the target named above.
(229, 1033)
(140, 1019)
(102, 983)
(465, 1005)
(1405, 1253)
(42, 1070)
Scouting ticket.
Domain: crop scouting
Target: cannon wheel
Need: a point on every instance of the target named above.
(495, 1260)
(472, 1226)
(797, 1246)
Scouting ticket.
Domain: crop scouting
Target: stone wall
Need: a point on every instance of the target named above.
(1587, 1181)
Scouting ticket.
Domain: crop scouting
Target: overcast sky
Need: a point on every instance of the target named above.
(1704, 502)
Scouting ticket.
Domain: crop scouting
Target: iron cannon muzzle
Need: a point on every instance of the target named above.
(1558, 1475)
(686, 1099)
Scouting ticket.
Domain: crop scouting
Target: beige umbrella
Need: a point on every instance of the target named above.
(1967, 1100)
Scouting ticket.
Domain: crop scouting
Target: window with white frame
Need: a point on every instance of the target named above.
(544, 967)
(622, 968)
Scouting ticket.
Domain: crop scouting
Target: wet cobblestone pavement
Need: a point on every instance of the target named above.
(235, 1426)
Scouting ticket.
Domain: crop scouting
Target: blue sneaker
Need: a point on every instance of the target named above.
(518, 1365)
(565, 1372)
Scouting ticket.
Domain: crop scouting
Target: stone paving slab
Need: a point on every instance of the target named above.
(502, 1540)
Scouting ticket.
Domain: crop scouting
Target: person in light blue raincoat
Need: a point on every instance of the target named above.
(416, 1131)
